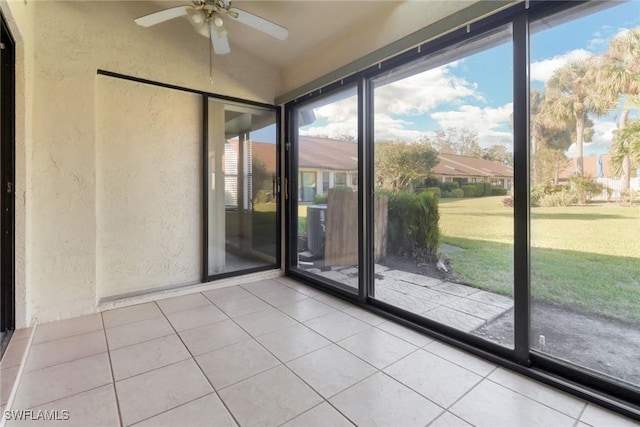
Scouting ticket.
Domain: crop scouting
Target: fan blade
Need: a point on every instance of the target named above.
(162, 16)
(261, 24)
(219, 41)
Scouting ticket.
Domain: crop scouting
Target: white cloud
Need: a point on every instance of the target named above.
(389, 129)
(602, 38)
(410, 96)
(423, 92)
(341, 118)
(543, 70)
(488, 122)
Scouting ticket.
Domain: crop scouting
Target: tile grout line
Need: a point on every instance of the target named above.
(113, 378)
(176, 407)
(293, 372)
(18, 379)
(193, 358)
(584, 409)
(70, 360)
(466, 393)
(537, 401)
(68, 336)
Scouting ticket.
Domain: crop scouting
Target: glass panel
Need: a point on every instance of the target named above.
(585, 255)
(327, 205)
(443, 169)
(242, 204)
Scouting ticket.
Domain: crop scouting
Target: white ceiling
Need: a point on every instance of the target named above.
(310, 23)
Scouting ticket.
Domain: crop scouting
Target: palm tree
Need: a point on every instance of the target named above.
(618, 73)
(625, 150)
(571, 95)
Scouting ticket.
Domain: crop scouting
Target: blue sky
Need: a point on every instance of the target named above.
(476, 91)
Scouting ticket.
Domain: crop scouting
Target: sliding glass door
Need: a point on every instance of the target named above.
(484, 186)
(585, 220)
(442, 172)
(325, 203)
(241, 188)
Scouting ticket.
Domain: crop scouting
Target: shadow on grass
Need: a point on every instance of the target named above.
(586, 216)
(508, 213)
(605, 285)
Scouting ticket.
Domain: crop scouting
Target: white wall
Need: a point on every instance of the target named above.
(148, 187)
(69, 43)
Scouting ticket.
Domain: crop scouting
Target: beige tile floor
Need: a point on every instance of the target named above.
(271, 353)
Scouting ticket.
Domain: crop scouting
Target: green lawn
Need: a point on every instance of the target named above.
(587, 257)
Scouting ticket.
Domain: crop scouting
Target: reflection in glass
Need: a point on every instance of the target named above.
(443, 155)
(242, 204)
(327, 197)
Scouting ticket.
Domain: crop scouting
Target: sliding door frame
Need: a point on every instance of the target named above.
(522, 358)
(291, 193)
(7, 181)
(205, 276)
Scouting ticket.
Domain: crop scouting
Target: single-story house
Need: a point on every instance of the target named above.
(465, 170)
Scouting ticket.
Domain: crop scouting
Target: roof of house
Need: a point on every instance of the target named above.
(589, 166)
(265, 152)
(452, 165)
(331, 154)
(313, 153)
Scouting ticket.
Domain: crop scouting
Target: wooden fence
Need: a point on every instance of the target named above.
(342, 224)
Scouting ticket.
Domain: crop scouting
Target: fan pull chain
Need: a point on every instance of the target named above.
(210, 64)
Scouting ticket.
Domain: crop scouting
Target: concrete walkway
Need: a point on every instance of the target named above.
(459, 306)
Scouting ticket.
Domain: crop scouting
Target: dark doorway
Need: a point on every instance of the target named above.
(7, 185)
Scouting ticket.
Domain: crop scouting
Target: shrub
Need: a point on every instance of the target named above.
(449, 186)
(470, 190)
(486, 188)
(541, 190)
(458, 193)
(561, 198)
(585, 187)
(435, 190)
(342, 188)
(413, 224)
(498, 191)
(320, 199)
(261, 197)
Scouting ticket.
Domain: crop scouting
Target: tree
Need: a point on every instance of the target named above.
(618, 74)
(570, 96)
(458, 141)
(398, 165)
(548, 132)
(547, 165)
(625, 151)
(498, 153)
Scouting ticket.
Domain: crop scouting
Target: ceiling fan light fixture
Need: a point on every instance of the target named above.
(218, 22)
(197, 18)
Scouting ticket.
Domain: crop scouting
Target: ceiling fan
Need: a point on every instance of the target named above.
(207, 17)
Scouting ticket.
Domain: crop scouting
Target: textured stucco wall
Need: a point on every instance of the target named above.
(69, 43)
(19, 18)
(148, 187)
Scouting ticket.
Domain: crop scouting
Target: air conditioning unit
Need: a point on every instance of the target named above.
(316, 219)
